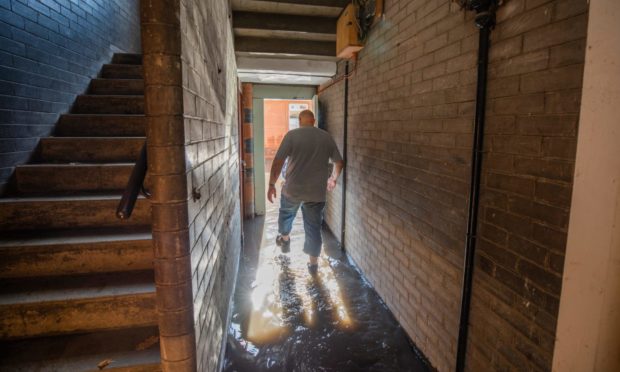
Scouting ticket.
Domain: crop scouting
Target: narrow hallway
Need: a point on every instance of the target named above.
(285, 320)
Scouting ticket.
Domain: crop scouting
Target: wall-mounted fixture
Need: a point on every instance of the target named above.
(347, 35)
(354, 24)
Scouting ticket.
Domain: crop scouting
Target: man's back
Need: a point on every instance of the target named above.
(309, 150)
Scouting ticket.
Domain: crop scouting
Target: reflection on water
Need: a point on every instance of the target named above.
(284, 319)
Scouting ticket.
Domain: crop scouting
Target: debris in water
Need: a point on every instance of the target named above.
(150, 341)
(104, 363)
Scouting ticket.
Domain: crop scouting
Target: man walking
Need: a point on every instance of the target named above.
(307, 179)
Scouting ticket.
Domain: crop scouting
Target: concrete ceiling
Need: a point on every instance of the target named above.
(286, 41)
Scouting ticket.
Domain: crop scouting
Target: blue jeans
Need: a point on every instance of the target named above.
(313, 219)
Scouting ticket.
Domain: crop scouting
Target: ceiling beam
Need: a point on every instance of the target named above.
(282, 7)
(284, 46)
(330, 3)
(286, 66)
(282, 22)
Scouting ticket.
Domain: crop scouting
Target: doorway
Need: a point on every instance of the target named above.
(275, 110)
(280, 116)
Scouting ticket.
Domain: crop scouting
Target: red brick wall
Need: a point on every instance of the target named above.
(411, 107)
(277, 125)
(210, 94)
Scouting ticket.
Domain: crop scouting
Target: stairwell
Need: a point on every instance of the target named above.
(76, 283)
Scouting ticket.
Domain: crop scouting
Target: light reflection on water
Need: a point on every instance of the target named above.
(284, 319)
(284, 291)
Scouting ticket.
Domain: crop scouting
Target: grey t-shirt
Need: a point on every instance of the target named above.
(309, 150)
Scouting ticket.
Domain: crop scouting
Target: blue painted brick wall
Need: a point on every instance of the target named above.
(49, 51)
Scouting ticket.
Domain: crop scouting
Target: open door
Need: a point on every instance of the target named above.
(320, 121)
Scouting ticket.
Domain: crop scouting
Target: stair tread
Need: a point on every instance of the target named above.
(83, 352)
(113, 79)
(74, 237)
(78, 287)
(52, 138)
(75, 164)
(99, 96)
(61, 198)
(101, 125)
(83, 115)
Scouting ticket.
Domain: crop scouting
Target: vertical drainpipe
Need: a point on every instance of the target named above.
(485, 21)
(163, 94)
(344, 156)
(248, 151)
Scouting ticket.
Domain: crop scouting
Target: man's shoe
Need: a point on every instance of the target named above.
(285, 245)
(313, 269)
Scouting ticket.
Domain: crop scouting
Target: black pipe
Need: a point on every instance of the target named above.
(485, 20)
(134, 186)
(344, 155)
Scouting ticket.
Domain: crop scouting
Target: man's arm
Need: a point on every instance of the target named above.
(276, 168)
(331, 183)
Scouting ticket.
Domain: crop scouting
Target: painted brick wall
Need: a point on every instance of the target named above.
(49, 51)
(535, 73)
(331, 106)
(410, 122)
(211, 141)
(411, 108)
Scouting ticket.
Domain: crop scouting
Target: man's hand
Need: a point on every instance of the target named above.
(331, 184)
(271, 194)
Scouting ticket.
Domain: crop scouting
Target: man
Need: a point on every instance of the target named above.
(308, 150)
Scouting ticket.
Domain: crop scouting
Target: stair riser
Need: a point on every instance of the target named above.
(63, 214)
(94, 104)
(69, 259)
(145, 368)
(117, 87)
(51, 179)
(121, 71)
(101, 126)
(113, 150)
(64, 317)
(126, 58)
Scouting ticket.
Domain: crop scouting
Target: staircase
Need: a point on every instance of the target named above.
(76, 283)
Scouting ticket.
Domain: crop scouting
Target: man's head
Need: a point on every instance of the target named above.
(306, 118)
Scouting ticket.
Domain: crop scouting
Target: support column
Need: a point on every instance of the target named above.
(248, 151)
(163, 94)
(588, 330)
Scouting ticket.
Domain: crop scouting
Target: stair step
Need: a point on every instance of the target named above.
(90, 149)
(63, 212)
(121, 71)
(75, 252)
(117, 86)
(129, 350)
(127, 58)
(85, 125)
(38, 179)
(61, 305)
(108, 104)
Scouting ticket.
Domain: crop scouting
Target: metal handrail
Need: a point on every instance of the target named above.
(135, 185)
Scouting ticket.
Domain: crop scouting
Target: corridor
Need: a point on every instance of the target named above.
(286, 320)
(478, 202)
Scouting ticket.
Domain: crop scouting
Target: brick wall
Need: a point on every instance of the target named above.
(331, 105)
(535, 73)
(49, 51)
(411, 108)
(210, 94)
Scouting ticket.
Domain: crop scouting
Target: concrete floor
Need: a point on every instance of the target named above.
(286, 320)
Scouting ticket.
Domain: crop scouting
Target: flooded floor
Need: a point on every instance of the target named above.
(284, 319)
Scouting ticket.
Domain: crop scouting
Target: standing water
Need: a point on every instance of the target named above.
(284, 319)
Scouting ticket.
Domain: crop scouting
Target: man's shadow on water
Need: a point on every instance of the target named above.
(292, 304)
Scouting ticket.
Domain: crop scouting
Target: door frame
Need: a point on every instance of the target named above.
(260, 93)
